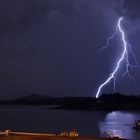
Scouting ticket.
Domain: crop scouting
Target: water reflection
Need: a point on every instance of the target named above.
(87, 123)
(118, 124)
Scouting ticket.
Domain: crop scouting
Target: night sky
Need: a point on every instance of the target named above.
(50, 47)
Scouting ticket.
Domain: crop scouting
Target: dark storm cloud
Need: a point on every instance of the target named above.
(43, 47)
(130, 9)
(51, 46)
(19, 13)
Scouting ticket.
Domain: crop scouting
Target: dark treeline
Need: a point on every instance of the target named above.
(105, 102)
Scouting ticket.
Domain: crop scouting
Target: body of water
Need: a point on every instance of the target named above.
(39, 119)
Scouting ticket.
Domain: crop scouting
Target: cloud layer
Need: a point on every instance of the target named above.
(131, 9)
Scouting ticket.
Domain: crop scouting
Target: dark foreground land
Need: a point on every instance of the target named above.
(51, 138)
(107, 102)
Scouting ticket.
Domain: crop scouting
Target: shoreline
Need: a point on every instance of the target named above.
(13, 137)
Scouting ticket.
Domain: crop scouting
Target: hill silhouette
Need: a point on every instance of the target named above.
(115, 101)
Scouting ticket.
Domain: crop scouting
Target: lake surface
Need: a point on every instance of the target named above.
(87, 123)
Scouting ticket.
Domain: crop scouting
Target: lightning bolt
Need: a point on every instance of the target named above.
(124, 56)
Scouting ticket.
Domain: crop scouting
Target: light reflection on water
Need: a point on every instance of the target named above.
(119, 124)
(87, 123)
